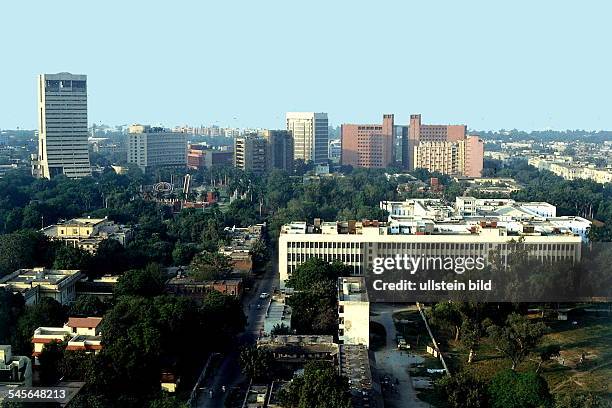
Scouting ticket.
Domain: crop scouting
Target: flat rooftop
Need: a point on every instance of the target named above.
(352, 289)
(38, 275)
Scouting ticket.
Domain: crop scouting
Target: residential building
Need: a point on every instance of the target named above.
(353, 311)
(81, 334)
(369, 146)
(37, 283)
(431, 228)
(250, 153)
(444, 148)
(153, 147)
(88, 233)
(310, 132)
(570, 170)
(15, 371)
(62, 126)
(201, 156)
(279, 153)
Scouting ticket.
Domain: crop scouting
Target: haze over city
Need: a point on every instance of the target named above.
(522, 65)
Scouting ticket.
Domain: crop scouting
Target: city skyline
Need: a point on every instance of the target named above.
(503, 68)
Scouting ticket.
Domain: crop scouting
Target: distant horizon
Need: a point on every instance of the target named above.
(331, 125)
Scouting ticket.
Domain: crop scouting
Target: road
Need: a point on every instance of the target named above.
(229, 374)
(395, 363)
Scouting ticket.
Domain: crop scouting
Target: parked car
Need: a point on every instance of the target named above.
(264, 295)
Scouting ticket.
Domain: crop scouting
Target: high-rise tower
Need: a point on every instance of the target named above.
(62, 126)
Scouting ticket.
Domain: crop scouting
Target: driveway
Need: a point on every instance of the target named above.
(395, 363)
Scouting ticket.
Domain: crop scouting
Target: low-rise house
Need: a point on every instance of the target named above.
(87, 233)
(81, 333)
(37, 283)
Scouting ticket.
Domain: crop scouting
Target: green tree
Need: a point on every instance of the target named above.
(50, 359)
(182, 254)
(550, 351)
(256, 362)
(141, 282)
(11, 307)
(517, 338)
(168, 402)
(259, 253)
(224, 313)
(76, 365)
(88, 305)
(575, 399)
(280, 329)
(320, 387)
(69, 257)
(47, 312)
(315, 270)
(210, 266)
(509, 389)
(23, 249)
(463, 390)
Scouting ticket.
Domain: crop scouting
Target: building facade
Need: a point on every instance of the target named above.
(447, 149)
(571, 171)
(310, 132)
(250, 153)
(37, 283)
(154, 147)
(62, 126)
(200, 156)
(425, 227)
(279, 149)
(88, 233)
(353, 311)
(369, 146)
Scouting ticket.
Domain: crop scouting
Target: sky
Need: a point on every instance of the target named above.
(516, 64)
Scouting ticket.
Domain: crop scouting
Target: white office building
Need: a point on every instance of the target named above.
(423, 227)
(310, 132)
(62, 126)
(151, 147)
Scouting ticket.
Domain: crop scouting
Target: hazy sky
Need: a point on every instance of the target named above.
(527, 64)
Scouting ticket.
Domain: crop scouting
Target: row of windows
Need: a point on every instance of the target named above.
(395, 246)
(325, 245)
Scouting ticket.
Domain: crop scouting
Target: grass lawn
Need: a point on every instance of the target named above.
(591, 336)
